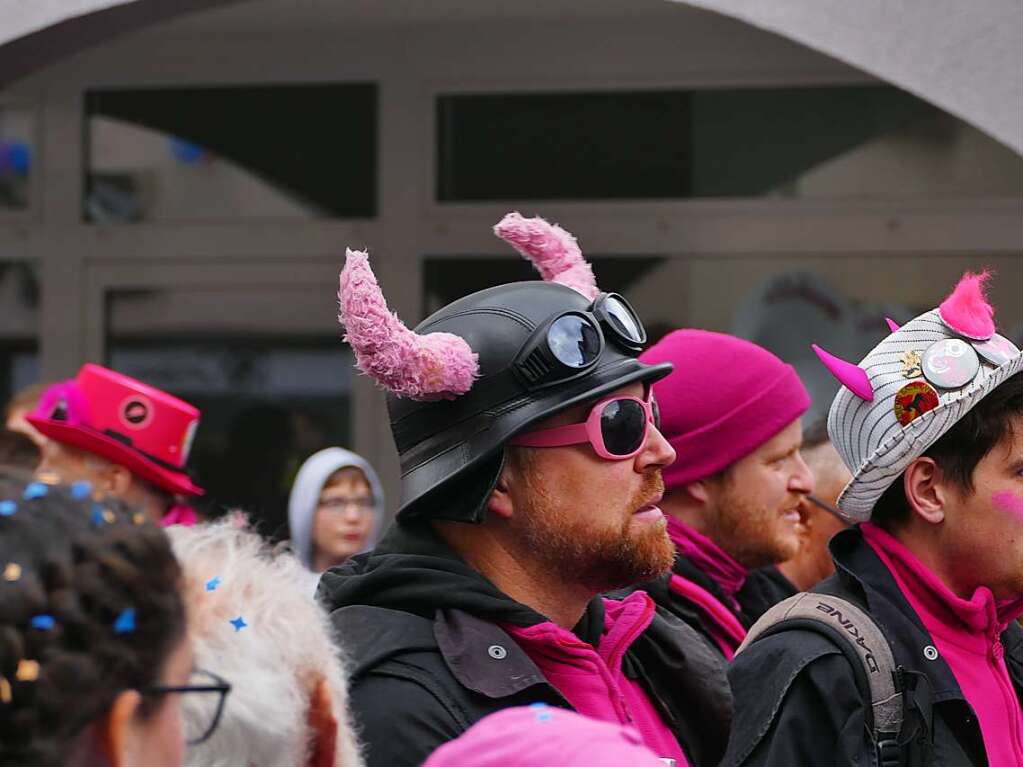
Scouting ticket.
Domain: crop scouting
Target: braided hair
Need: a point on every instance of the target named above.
(89, 607)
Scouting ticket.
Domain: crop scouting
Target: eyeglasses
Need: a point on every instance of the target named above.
(362, 505)
(570, 343)
(616, 427)
(200, 720)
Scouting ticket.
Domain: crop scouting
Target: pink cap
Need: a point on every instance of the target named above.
(539, 736)
(125, 421)
(725, 398)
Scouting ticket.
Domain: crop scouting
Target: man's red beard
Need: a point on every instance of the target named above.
(576, 546)
(753, 535)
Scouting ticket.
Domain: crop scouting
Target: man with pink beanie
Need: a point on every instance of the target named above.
(731, 410)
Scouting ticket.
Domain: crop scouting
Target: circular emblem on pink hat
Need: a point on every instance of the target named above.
(913, 400)
(950, 363)
(135, 412)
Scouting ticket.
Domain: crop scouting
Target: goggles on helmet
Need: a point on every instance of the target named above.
(571, 343)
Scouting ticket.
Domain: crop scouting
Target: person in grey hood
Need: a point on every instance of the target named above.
(335, 509)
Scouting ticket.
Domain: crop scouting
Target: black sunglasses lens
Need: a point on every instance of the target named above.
(623, 426)
(624, 320)
(574, 340)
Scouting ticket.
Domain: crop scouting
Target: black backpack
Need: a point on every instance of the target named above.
(860, 639)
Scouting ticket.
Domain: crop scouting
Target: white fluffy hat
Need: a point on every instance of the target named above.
(912, 388)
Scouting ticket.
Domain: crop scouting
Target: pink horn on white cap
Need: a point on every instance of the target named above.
(552, 250)
(429, 367)
(853, 377)
(892, 324)
(967, 310)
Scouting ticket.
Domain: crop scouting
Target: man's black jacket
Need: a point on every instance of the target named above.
(427, 657)
(763, 589)
(796, 700)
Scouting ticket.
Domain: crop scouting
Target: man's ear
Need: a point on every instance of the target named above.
(322, 725)
(925, 491)
(500, 501)
(115, 732)
(699, 491)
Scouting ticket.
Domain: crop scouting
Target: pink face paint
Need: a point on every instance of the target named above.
(1008, 501)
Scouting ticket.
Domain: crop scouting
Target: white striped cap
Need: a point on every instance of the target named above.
(873, 444)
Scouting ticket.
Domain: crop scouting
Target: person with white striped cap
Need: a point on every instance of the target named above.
(930, 424)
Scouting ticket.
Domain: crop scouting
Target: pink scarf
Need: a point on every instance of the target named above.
(709, 558)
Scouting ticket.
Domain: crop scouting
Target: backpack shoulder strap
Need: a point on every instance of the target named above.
(859, 638)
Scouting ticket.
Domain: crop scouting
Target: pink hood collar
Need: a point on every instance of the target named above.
(982, 613)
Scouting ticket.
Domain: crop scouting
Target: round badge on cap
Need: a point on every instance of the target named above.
(136, 412)
(997, 350)
(950, 364)
(913, 400)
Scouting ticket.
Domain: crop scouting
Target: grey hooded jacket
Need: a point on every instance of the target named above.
(305, 495)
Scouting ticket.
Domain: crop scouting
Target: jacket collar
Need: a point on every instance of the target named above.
(482, 656)
(859, 568)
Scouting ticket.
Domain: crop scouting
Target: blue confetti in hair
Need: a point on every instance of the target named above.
(125, 623)
(42, 622)
(213, 583)
(7, 508)
(35, 490)
(81, 490)
(97, 515)
(238, 623)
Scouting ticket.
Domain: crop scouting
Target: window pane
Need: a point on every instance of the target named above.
(825, 143)
(19, 321)
(17, 151)
(447, 278)
(269, 398)
(294, 151)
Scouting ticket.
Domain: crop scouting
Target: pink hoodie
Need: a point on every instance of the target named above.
(715, 563)
(591, 679)
(967, 634)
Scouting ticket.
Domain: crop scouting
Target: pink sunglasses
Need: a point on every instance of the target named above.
(616, 427)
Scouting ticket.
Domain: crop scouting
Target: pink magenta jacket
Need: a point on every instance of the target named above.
(967, 634)
(591, 678)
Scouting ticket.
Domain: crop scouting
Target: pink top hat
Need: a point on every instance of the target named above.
(147, 431)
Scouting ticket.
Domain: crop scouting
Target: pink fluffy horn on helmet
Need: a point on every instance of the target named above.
(552, 250)
(853, 377)
(428, 367)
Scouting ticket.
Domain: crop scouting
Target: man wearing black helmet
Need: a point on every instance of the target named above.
(531, 465)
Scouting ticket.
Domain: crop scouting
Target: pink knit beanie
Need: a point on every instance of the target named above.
(725, 398)
(538, 736)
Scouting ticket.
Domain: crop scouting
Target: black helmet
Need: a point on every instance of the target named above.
(488, 366)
